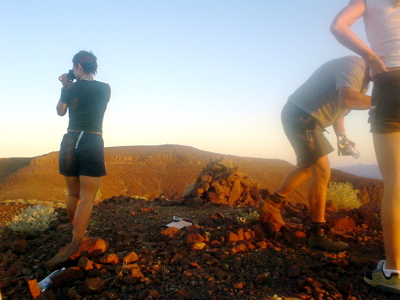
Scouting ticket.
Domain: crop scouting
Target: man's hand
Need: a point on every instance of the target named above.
(345, 146)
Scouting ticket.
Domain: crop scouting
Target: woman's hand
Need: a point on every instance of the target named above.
(376, 65)
(65, 81)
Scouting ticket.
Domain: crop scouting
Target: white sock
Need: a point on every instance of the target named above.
(389, 272)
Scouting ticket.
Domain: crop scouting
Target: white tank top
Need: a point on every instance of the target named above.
(382, 25)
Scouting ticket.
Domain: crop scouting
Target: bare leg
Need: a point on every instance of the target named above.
(317, 191)
(89, 187)
(79, 208)
(387, 149)
(73, 190)
(293, 180)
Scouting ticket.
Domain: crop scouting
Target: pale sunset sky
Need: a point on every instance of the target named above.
(211, 74)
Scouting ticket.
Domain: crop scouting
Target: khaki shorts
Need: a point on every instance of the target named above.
(384, 114)
(305, 136)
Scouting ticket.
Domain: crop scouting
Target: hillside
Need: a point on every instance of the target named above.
(371, 171)
(151, 172)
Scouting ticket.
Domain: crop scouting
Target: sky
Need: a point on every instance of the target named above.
(211, 74)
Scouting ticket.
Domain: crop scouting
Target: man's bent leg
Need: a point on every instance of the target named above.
(89, 188)
(317, 190)
(293, 180)
(317, 202)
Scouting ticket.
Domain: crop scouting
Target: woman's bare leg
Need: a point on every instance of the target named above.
(73, 191)
(387, 150)
(89, 187)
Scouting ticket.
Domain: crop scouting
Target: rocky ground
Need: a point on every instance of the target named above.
(227, 254)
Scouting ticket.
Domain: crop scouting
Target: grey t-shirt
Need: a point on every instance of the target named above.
(319, 97)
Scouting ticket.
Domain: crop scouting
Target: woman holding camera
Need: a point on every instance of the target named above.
(382, 25)
(81, 158)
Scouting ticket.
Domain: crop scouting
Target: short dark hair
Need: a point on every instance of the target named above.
(87, 60)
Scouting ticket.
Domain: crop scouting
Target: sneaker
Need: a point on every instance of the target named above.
(377, 279)
(380, 265)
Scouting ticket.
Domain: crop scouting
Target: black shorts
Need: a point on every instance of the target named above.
(384, 114)
(305, 136)
(82, 153)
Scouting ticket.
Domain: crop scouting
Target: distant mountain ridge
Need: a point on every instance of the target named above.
(370, 171)
(152, 171)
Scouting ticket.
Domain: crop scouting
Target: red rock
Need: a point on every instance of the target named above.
(240, 248)
(33, 288)
(110, 258)
(258, 230)
(346, 224)
(240, 234)
(85, 264)
(130, 258)
(239, 285)
(67, 276)
(249, 235)
(93, 285)
(91, 247)
(231, 237)
(19, 246)
(235, 192)
(183, 295)
(368, 211)
(261, 278)
(170, 232)
(216, 244)
(136, 273)
(176, 259)
(207, 178)
(300, 236)
(199, 246)
(195, 238)
(193, 228)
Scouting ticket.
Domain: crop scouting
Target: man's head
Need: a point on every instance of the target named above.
(86, 60)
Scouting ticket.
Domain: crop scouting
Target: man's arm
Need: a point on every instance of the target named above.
(340, 28)
(343, 143)
(350, 99)
(338, 127)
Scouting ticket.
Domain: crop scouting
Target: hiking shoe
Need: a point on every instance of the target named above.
(319, 240)
(276, 199)
(326, 244)
(270, 212)
(377, 279)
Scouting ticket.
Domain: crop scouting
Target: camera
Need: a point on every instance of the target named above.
(71, 75)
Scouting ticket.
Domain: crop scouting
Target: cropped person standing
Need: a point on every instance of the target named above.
(81, 159)
(334, 89)
(382, 26)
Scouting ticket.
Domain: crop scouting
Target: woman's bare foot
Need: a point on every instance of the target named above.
(63, 255)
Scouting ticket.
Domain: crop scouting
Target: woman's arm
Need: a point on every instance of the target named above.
(61, 106)
(340, 28)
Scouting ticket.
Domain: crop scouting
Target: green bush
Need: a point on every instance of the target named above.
(33, 220)
(343, 195)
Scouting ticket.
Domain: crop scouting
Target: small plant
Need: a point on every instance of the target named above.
(247, 216)
(343, 195)
(33, 220)
(188, 190)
